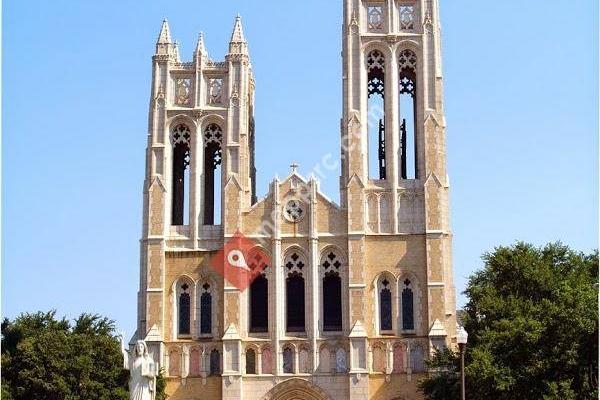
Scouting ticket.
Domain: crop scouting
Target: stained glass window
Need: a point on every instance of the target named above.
(259, 304)
(295, 302)
(184, 309)
(294, 264)
(408, 318)
(206, 312)
(332, 292)
(385, 306)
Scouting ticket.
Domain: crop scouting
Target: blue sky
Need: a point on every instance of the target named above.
(521, 105)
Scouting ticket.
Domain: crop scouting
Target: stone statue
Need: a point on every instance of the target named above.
(142, 372)
(340, 360)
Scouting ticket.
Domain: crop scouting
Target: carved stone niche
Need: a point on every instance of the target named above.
(358, 348)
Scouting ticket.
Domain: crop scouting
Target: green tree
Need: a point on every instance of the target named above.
(48, 358)
(532, 318)
(443, 382)
(161, 386)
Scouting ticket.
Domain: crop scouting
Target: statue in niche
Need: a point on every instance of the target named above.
(340, 360)
(142, 370)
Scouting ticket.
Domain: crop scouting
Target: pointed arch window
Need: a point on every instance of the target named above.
(259, 304)
(376, 114)
(259, 292)
(206, 304)
(213, 139)
(385, 306)
(180, 137)
(288, 360)
(184, 306)
(407, 66)
(250, 362)
(408, 315)
(294, 284)
(215, 362)
(332, 292)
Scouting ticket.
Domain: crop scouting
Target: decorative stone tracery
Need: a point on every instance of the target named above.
(294, 389)
(407, 60)
(215, 91)
(183, 92)
(294, 210)
(407, 17)
(375, 18)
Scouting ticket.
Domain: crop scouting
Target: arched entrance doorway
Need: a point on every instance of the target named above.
(296, 389)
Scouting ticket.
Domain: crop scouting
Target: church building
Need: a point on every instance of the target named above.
(353, 297)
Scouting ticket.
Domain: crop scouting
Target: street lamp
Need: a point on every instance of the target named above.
(461, 338)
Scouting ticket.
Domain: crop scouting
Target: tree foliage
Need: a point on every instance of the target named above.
(161, 386)
(52, 359)
(443, 382)
(532, 318)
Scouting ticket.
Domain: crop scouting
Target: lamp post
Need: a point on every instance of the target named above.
(461, 338)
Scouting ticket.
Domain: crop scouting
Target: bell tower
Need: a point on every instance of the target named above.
(394, 184)
(199, 159)
(392, 87)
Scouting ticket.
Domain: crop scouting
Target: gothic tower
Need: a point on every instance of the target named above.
(394, 182)
(353, 297)
(200, 142)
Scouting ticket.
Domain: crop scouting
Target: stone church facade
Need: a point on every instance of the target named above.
(355, 295)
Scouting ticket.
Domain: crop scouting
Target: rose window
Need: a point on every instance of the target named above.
(293, 211)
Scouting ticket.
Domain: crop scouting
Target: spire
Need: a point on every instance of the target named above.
(164, 44)
(238, 32)
(164, 37)
(200, 49)
(238, 44)
(176, 51)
